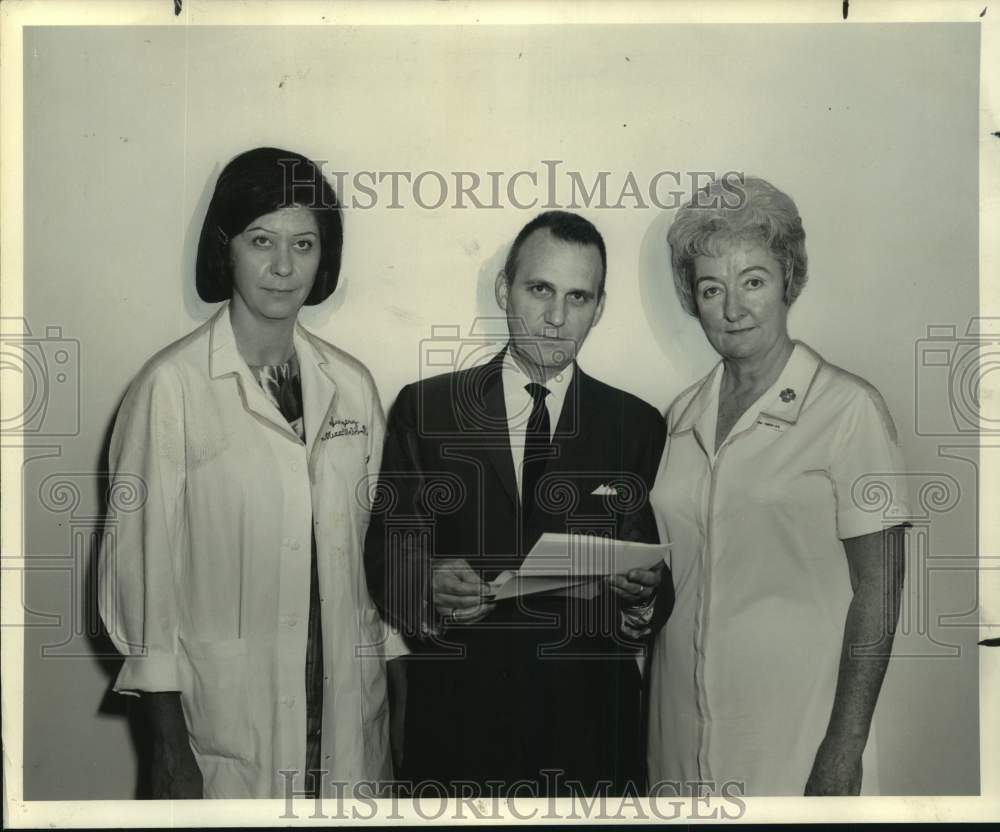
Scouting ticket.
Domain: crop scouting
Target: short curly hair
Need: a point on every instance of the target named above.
(750, 209)
(259, 182)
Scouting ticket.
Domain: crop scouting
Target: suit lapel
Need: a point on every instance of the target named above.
(497, 440)
(569, 424)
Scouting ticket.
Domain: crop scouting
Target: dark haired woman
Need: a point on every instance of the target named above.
(236, 589)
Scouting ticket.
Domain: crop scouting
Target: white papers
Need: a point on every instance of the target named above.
(564, 561)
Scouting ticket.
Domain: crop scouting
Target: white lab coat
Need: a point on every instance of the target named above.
(204, 583)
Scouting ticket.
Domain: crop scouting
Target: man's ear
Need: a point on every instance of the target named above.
(502, 288)
(600, 309)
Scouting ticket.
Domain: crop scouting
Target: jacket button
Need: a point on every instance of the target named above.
(290, 620)
(295, 545)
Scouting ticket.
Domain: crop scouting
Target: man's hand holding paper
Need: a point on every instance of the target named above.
(636, 586)
(564, 563)
(459, 592)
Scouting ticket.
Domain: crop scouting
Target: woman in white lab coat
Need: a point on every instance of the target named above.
(234, 585)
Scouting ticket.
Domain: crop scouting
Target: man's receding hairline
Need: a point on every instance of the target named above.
(579, 243)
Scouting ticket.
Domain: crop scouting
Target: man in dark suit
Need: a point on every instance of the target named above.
(538, 695)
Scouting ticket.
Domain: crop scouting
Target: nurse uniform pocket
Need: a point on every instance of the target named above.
(216, 697)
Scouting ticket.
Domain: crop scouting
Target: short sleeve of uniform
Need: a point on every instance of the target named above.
(867, 468)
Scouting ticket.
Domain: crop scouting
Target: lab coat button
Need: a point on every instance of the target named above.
(295, 545)
(290, 620)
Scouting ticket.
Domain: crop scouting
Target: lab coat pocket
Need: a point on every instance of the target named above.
(216, 697)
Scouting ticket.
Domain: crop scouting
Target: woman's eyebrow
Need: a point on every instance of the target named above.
(271, 231)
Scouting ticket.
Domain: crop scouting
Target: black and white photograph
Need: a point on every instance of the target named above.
(497, 412)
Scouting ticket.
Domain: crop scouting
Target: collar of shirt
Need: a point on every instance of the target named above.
(518, 404)
(782, 400)
(518, 401)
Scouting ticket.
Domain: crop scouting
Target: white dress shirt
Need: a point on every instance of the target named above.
(518, 404)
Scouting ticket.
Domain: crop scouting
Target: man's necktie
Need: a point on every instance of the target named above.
(536, 447)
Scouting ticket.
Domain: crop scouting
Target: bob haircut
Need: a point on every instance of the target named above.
(260, 182)
(564, 226)
(708, 224)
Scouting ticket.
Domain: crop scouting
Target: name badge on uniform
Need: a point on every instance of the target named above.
(344, 427)
(768, 423)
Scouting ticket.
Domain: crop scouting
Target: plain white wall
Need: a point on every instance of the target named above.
(872, 129)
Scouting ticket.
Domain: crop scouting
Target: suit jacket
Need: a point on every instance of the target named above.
(544, 682)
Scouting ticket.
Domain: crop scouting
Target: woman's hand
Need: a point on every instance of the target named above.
(876, 567)
(837, 767)
(175, 774)
(459, 592)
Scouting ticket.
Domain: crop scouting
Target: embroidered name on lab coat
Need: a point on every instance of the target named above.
(767, 423)
(344, 427)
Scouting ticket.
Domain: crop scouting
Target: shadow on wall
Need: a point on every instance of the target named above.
(687, 355)
(491, 320)
(108, 659)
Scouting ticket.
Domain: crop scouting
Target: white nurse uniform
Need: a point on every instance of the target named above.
(744, 673)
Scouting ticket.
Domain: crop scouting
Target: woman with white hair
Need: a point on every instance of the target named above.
(768, 673)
